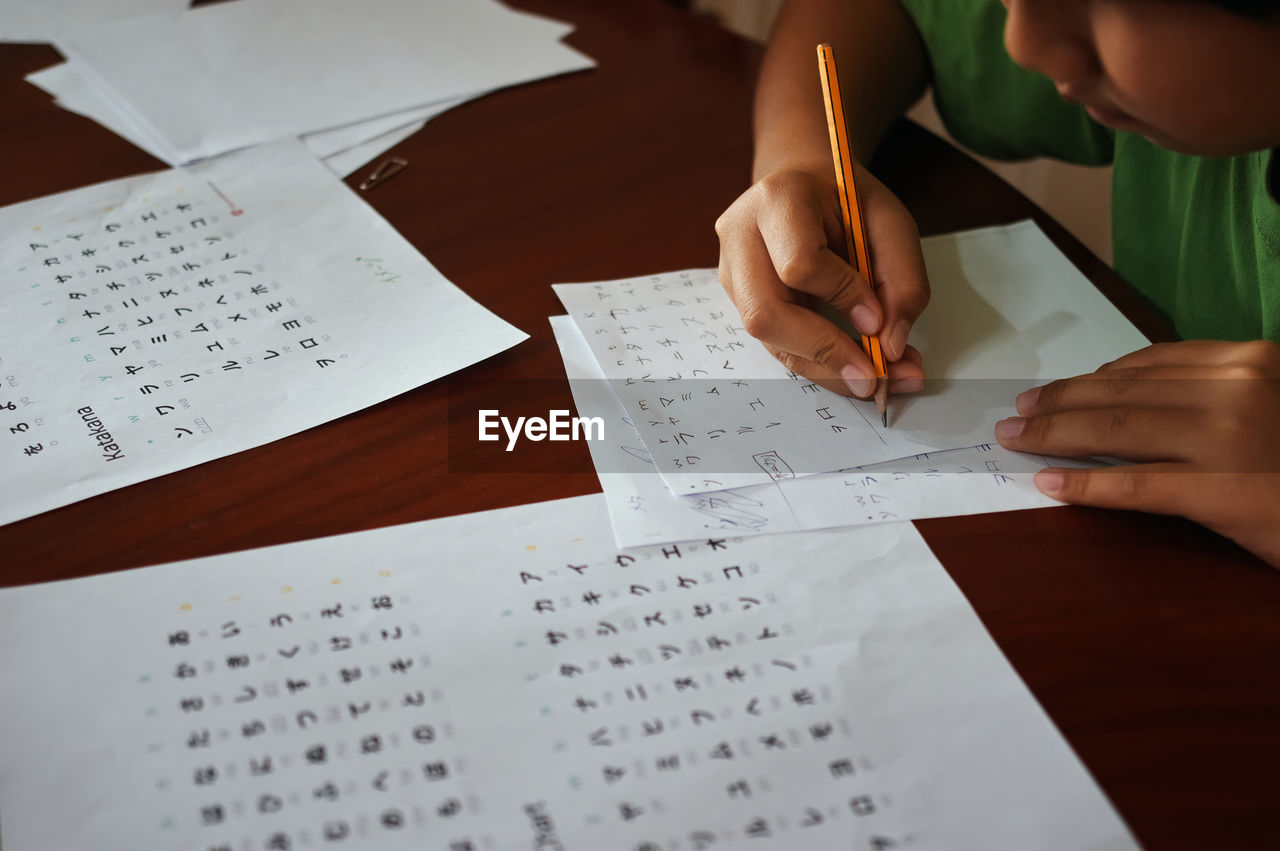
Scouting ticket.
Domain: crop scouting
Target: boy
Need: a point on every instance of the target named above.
(1183, 96)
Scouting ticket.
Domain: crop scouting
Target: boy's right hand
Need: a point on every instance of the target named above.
(782, 253)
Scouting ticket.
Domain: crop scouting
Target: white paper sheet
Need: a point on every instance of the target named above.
(717, 411)
(45, 20)
(157, 322)
(643, 511)
(230, 75)
(509, 680)
(342, 149)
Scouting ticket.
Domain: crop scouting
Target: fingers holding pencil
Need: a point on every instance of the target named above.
(799, 252)
(790, 320)
(857, 244)
(782, 249)
(796, 258)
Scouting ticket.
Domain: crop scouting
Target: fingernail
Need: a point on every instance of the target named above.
(859, 384)
(1026, 400)
(1011, 427)
(1049, 482)
(898, 339)
(908, 385)
(865, 319)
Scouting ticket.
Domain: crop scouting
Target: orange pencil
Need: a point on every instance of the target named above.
(855, 234)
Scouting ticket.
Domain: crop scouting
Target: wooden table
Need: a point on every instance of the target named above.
(1152, 643)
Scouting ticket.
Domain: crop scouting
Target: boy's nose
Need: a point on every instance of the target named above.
(1052, 38)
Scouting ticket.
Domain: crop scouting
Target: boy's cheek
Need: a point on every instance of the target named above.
(1194, 78)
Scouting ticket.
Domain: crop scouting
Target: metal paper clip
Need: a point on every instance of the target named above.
(386, 170)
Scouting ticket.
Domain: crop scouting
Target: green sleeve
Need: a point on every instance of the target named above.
(988, 102)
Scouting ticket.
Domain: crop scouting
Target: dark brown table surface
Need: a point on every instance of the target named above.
(1153, 644)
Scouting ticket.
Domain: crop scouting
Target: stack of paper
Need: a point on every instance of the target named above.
(704, 430)
(316, 73)
(343, 150)
(46, 20)
(233, 75)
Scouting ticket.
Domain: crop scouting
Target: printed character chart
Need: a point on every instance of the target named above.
(716, 410)
(510, 680)
(157, 322)
(643, 510)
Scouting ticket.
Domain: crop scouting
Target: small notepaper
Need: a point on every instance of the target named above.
(157, 322)
(971, 480)
(717, 411)
(511, 680)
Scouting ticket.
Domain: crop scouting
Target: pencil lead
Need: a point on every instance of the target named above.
(884, 418)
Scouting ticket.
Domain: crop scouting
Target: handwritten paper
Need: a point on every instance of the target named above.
(643, 510)
(157, 322)
(45, 20)
(713, 407)
(510, 680)
(231, 75)
(717, 411)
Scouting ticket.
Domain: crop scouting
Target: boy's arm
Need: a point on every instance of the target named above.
(883, 70)
(782, 242)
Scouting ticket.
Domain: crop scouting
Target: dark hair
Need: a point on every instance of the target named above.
(1250, 8)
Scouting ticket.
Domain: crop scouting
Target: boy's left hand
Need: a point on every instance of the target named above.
(1201, 418)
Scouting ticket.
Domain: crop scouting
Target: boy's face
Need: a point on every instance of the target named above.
(1188, 75)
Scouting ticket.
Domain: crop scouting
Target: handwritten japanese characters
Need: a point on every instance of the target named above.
(716, 411)
(643, 510)
(713, 407)
(157, 322)
(510, 680)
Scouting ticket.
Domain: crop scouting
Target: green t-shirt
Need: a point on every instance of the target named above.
(1200, 237)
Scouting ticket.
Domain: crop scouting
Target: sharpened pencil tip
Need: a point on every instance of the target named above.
(884, 418)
